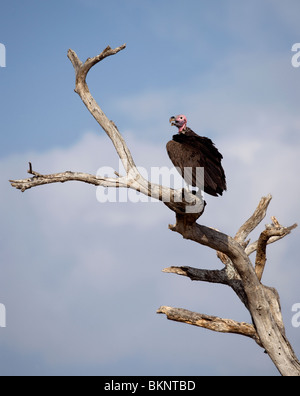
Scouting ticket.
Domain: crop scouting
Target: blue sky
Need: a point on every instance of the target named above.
(80, 280)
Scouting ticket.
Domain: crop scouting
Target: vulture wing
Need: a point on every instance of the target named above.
(190, 152)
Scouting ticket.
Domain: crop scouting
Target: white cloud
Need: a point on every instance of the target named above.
(81, 281)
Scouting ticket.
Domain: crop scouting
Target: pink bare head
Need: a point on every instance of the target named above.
(179, 121)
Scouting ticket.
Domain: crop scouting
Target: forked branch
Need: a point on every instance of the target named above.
(275, 230)
(244, 278)
(256, 218)
(186, 203)
(209, 322)
(238, 272)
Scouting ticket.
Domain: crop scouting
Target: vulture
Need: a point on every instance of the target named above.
(193, 155)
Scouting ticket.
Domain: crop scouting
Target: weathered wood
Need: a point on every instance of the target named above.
(223, 277)
(238, 272)
(186, 204)
(258, 215)
(212, 276)
(209, 322)
(274, 230)
(270, 333)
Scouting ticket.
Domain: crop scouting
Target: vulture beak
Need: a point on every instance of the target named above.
(172, 120)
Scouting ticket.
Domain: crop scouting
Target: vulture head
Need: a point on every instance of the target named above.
(179, 121)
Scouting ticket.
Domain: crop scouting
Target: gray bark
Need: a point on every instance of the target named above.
(239, 273)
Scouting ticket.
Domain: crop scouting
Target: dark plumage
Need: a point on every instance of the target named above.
(189, 151)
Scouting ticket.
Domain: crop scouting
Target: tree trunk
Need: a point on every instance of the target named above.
(239, 273)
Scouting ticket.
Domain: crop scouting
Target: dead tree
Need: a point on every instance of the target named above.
(262, 302)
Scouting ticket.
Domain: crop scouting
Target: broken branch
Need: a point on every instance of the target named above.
(254, 220)
(133, 179)
(274, 230)
(39, 180)
(209, 322)
(196, 274)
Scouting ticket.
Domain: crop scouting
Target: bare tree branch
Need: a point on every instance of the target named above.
(81, 88)
(189, 205)
(274, 230)
(209, 322)
(39, 180)
(239, 273)
(254, 220)
(253, 246)
(267, 329)
(172, 198)
(212, 276)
